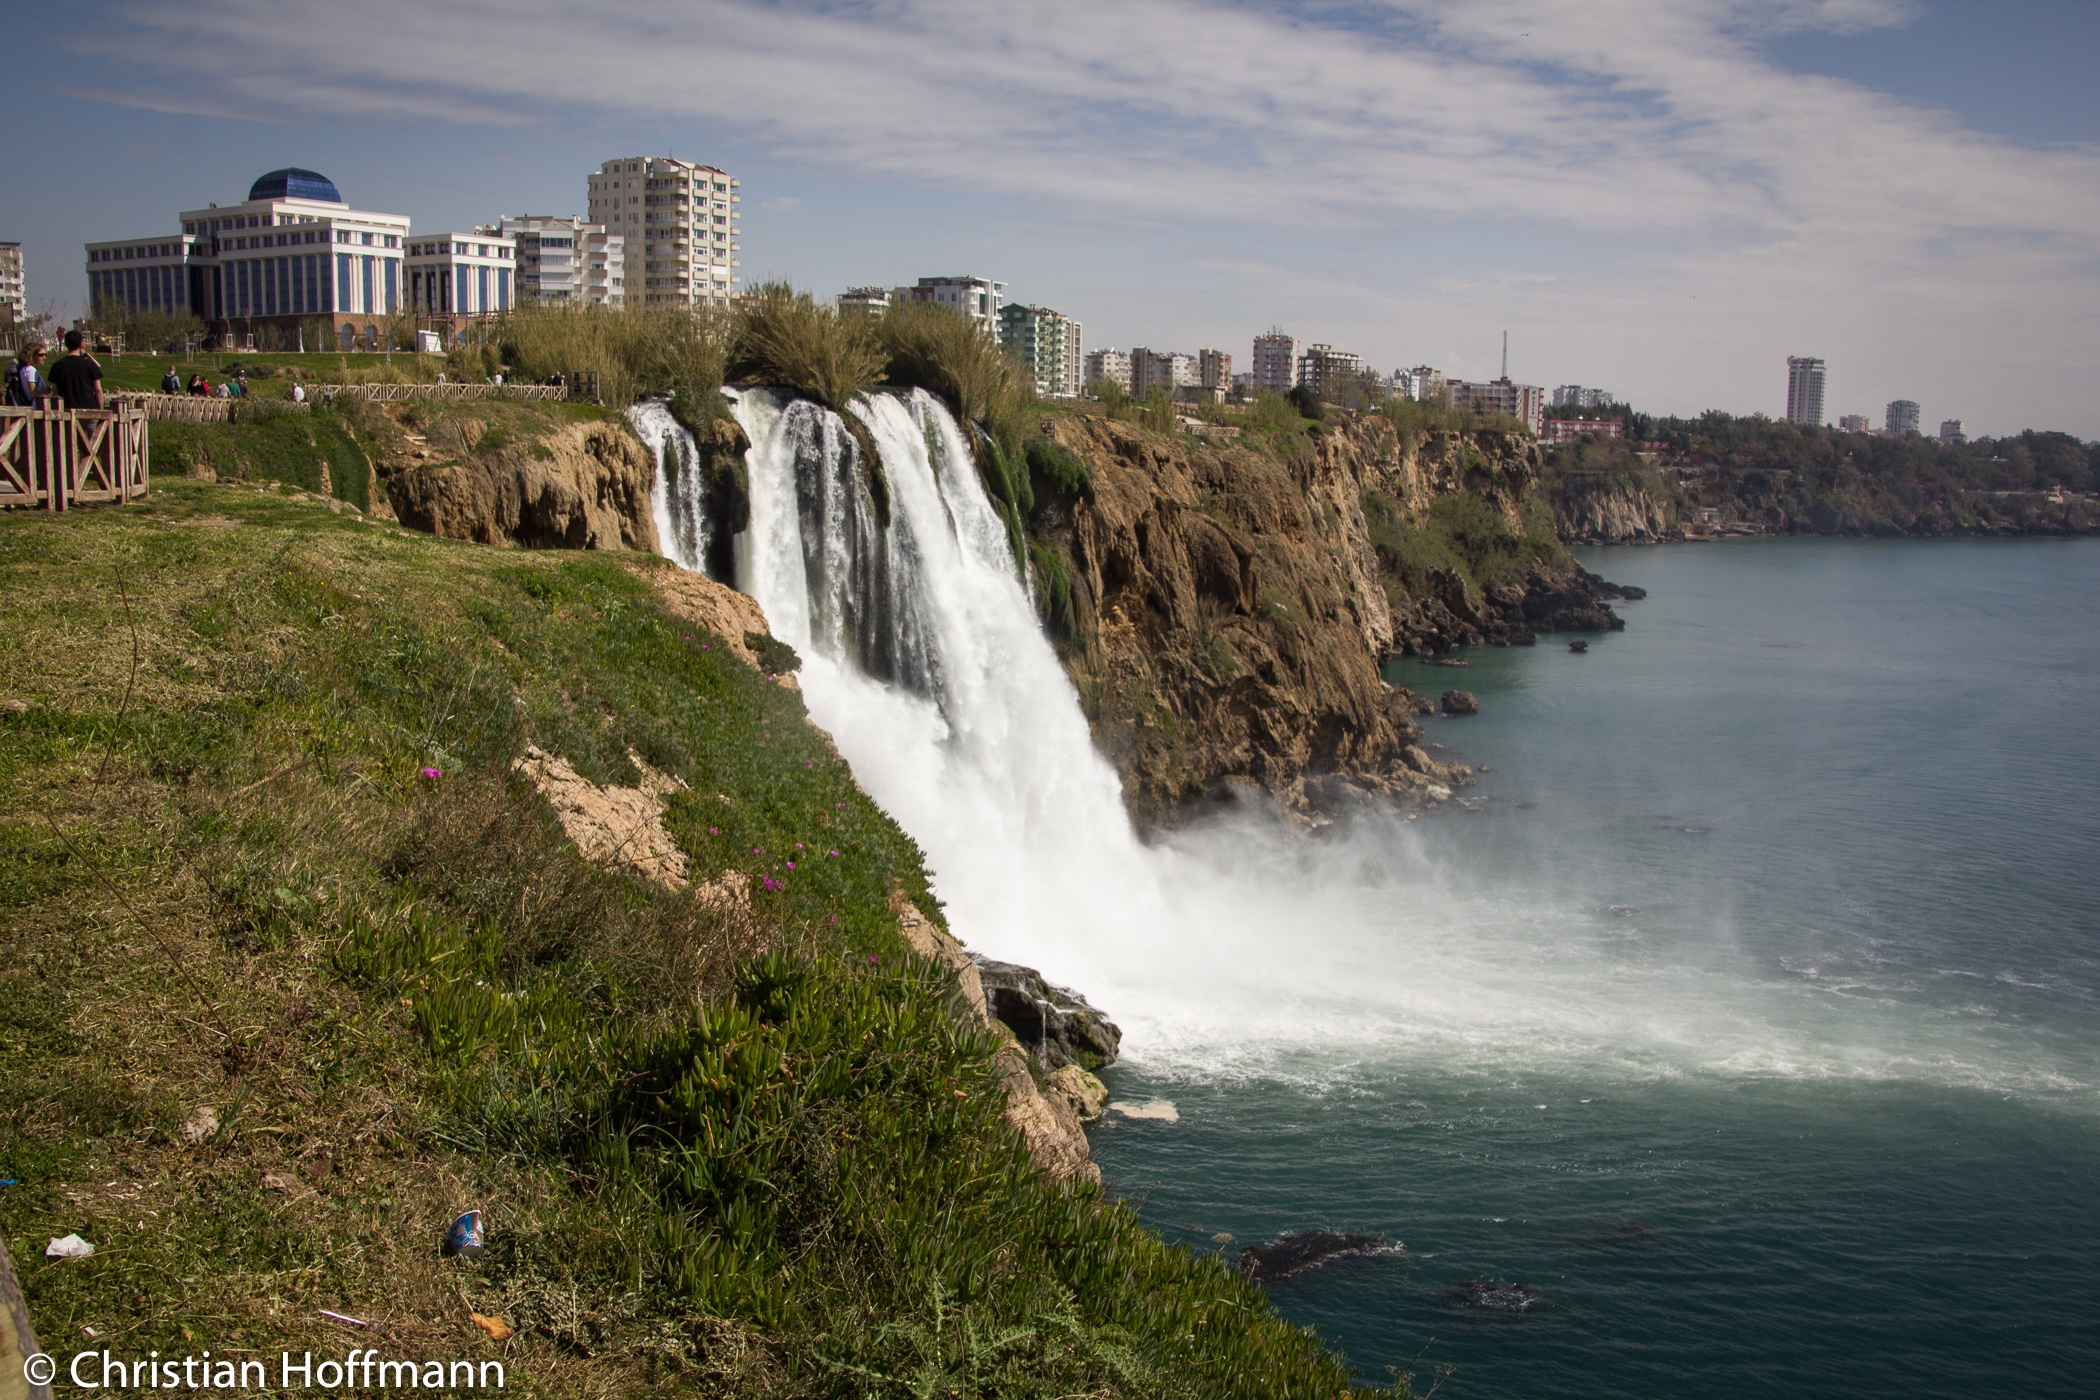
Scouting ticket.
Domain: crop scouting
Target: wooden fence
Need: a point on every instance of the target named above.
(59, 458)
(402, 393)
(202, 408)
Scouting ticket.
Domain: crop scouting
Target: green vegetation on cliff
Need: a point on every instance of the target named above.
(300, 967)
(1787, 479)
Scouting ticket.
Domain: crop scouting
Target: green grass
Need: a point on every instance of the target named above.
(720, 1153)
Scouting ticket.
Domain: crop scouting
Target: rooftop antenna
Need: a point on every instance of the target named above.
(1505, 354)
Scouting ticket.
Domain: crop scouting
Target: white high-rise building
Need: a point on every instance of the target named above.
(978, 298)
(1275, 361)
(677, 222)
(1804, 391)
(14, 301)
(1423, 384)
(1047, 343)
(1901, 418)
(1575, 396)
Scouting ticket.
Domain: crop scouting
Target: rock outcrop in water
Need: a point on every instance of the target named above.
(1230, 610)
(1308, 1249)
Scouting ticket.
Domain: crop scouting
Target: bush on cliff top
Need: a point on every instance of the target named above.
(719, 1154)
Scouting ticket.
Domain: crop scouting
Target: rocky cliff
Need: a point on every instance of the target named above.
(583, 486)
(1616, 509)
(1225, 609)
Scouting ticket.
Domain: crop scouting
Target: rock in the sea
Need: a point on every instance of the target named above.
(1053, 1023)
(1496, 1296)
(1305, 1250)
(1578, 646)
(1460, 702)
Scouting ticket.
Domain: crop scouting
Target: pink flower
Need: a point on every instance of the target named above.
(872, 958)
(712, 831)
(689, 636)
(833, 853)
(798, 845)
(791, 865)
(432, 774)
(754, 850)
(769, 733)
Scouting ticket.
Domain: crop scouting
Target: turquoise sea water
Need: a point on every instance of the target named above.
(1748, 1010)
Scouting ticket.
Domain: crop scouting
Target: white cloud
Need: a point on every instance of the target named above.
(1651, 132)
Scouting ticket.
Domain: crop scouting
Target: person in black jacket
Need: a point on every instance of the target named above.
(76, 376)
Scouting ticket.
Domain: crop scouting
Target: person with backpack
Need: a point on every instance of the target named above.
(23, 380)
(171, 382)
(77, 376)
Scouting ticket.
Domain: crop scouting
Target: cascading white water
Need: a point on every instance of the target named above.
(924, 658)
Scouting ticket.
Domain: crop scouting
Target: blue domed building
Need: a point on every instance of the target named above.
(293, 265)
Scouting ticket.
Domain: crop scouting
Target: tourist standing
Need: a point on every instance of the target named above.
(76, 376)
(171, 382)
(23, 380)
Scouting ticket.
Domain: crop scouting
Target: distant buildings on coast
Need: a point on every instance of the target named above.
(295, 264)
(1902, 417)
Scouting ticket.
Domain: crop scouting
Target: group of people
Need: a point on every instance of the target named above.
(76, 380)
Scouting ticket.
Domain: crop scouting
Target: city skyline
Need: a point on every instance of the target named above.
(1689, 202)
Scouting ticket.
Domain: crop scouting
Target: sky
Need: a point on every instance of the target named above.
(1662, 198)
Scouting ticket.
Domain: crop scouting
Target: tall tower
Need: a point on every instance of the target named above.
(679, 223)
(1804, 391)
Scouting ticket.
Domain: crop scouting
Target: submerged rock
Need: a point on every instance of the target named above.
(1294, 1254)
(1053, 1023)
(1497, 1296)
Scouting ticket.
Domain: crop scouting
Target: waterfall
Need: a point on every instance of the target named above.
(924, 658)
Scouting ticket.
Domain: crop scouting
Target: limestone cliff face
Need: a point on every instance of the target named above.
(1613, 512)
(583, 487)
(1230, 611)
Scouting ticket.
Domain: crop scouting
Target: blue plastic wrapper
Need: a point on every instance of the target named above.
(465, 1235)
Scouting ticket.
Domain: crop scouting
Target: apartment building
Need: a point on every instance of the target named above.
(1951, 434)
(678, 224)
(1161, 369)
(1322, 368)
(1275, 361)
(1108, 367)
(1575, 396)
(1804, 391)
(1214, 369)
(1900, 419)
(1047, 343)
(292, 252)
(1423, 384)
(978, 298)
(462, 275)
(868, 300)
(1854, 423)
(1569, 429)
(14, 299)
(564, 261)
(1524, 402)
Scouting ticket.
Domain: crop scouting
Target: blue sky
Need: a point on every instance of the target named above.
(1661, 197)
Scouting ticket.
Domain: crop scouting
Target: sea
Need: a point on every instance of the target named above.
(1738, 1034)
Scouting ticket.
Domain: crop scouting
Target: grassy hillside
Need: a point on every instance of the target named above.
(298, 970)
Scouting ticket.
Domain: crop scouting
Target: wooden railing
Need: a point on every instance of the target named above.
(203, 408)
(401, 393)
(58, 458)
